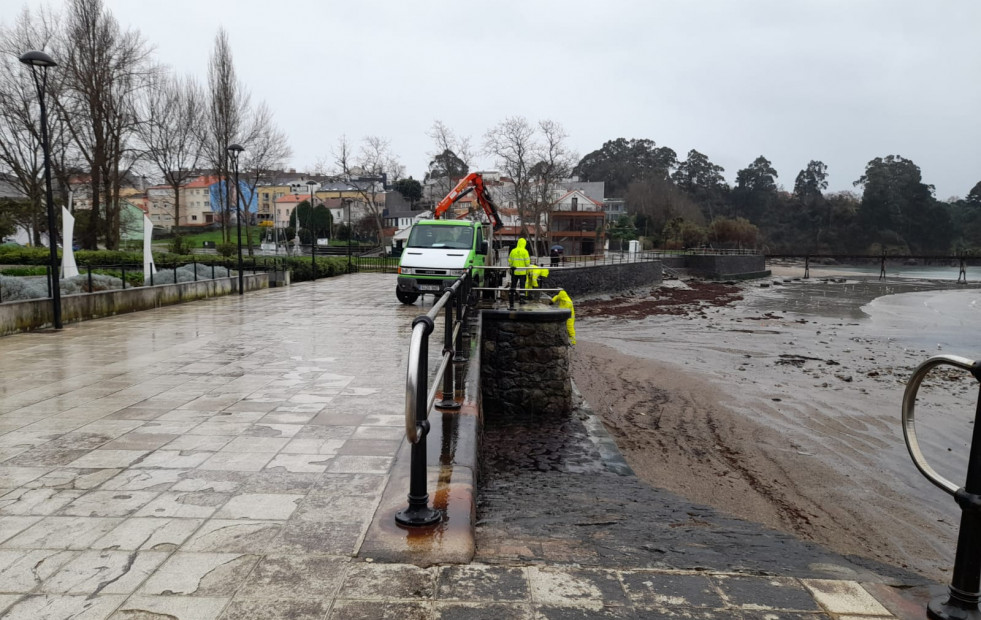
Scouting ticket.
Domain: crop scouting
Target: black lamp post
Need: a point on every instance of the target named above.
(39, 63)
(350, 234)
(234, 150)
(313, 232)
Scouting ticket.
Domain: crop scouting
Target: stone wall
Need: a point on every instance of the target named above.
(18, 316)
(721, 267)
(604, 278)
(525, 362)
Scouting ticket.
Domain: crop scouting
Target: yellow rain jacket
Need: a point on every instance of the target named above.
(565, 301)
(519, 258)
(534, 273)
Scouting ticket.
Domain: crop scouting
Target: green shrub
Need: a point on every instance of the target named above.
(179, 246)
(24, 271)
(226, 249)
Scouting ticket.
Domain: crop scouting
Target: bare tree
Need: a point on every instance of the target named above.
(512, 143)
(554, 162)
(103, 69)
(173, 114)
(266, 148)
(368, 173)
(228, 106)
(21, 155)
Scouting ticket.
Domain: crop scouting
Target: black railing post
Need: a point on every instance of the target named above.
(807, 267)
(47, 273)
(212, 271)
(418, 513)
(90, 277)
(151, 278)
(123, 267)
(194, 266)
(175, 274)
(965, 584)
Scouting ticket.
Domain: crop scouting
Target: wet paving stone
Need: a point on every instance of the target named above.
(774, 592)
(483, 583)
(387, 581)
(369, 610)
(484, 611)
(671, 589)
(275, 609)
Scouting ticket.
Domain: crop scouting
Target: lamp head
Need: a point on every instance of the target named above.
(38, 59)
(235, 149)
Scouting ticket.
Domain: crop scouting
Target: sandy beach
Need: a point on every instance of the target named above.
(782, 404)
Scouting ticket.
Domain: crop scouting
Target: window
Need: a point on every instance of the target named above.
(575, 203)
(194, 218)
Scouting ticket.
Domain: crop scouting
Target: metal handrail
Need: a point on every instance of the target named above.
(419, 400)
(421, 328)
(909, 418)
(964, 592)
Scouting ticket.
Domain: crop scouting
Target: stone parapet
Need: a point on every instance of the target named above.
(525, 361)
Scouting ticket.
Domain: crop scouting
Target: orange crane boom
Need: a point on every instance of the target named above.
(473, 182)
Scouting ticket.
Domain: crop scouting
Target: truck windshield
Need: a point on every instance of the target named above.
(454, 237)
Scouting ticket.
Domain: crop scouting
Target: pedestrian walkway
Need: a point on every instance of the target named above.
(224, 459)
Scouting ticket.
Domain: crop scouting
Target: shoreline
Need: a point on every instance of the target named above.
(789, 419)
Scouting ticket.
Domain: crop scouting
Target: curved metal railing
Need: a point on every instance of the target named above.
(964, 591)
(420, 398)
(909, 418)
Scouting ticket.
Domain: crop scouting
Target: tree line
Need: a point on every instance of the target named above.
(687, 203)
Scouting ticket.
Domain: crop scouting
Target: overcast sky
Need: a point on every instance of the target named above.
(841, 81)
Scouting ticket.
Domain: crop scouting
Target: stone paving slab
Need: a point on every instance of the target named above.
(223, 459)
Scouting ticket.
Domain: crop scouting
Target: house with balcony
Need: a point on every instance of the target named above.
(576, 222)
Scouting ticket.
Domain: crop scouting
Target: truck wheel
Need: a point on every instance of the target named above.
(406, 298)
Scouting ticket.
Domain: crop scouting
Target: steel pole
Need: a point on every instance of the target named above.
(41, 85)
(238, 225)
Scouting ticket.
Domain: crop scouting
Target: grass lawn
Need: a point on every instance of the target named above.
(197, 241)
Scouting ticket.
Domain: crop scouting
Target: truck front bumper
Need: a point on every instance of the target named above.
(420, 285)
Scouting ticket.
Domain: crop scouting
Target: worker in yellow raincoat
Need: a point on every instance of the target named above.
(534, 273)
(565, 301)
(518, 261)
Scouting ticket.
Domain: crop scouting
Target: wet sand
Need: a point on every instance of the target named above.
(782, 406)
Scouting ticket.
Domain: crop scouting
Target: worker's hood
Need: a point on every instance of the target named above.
(437, 258)
(522, 243)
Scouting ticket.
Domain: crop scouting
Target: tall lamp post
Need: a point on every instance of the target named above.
(313, 232)
(350, 233)
(234, 150)
(39, 62)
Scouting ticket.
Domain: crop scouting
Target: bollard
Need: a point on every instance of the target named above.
(964, 591)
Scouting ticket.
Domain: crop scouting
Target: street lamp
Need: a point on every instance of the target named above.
(234, 150)
(350, 233)
(39, 63)
(313, 234)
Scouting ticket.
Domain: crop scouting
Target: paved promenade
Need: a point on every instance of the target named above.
(224, 459)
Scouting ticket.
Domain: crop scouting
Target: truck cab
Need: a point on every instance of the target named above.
(436, 253)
